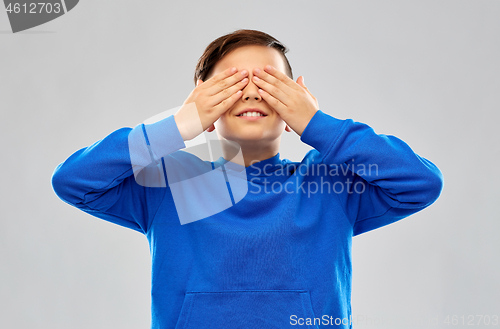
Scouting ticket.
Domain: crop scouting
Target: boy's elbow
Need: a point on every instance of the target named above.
(430, 183)
(422, 190)
(60, 184)
(434, 186)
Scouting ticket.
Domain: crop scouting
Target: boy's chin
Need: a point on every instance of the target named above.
(243, 137)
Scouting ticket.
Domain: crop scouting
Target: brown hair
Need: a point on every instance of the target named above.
(239, 38)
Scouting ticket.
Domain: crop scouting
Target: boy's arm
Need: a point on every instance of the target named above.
(102, 179)
(390, 181)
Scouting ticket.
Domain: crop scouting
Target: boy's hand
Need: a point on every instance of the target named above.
(292, 100)
(208, 101)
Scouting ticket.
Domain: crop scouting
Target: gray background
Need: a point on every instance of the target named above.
(425, 71)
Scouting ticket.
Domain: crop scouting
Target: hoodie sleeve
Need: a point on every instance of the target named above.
(120, 178)
(382, 179)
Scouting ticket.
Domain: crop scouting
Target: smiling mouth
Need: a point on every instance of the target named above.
(251, 115)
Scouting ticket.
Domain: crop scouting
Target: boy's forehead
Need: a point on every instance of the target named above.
(250, 57)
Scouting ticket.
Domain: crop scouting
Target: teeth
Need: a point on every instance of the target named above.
(252, 114)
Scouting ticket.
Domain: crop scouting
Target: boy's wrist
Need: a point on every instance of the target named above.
(321, 131)
(164, 136)
(181, 127)
(188, 121)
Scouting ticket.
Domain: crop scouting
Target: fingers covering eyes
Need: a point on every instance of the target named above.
(225, 80)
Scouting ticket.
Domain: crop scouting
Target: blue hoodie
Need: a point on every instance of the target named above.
(278, 256)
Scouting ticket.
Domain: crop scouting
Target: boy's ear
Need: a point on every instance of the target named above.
(288, 128)
(199, 82)
(211, 128)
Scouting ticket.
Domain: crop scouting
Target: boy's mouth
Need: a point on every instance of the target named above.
(251, 116)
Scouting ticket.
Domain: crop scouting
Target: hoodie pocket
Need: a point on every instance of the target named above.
(263, 309)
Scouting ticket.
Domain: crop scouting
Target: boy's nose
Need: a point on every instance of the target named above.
(251, 91)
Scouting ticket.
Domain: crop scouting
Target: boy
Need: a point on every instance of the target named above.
(278, 255)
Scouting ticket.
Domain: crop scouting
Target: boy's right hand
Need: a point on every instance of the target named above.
(208, 101)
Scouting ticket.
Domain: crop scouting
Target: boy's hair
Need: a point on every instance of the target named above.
(239, 38)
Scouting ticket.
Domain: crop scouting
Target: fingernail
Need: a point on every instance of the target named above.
(244, 72)
(268, 67)
(257, 70)
(233, 70)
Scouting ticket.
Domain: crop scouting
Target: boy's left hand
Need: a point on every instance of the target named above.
(292, 100)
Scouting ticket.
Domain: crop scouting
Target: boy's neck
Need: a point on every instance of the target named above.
(252, 153)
